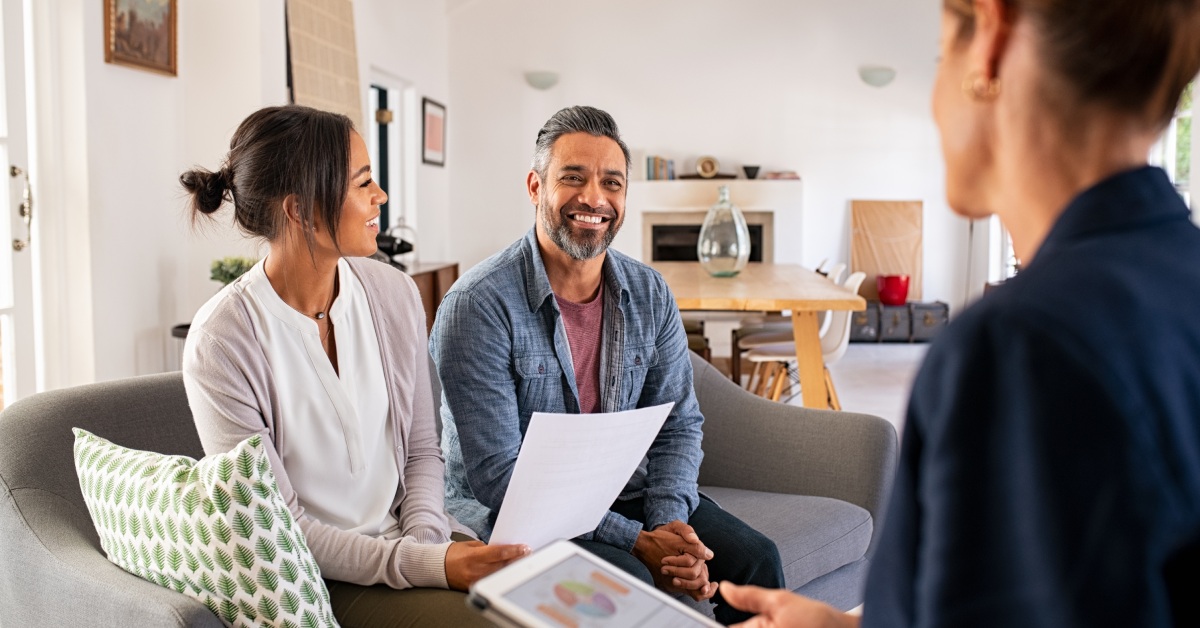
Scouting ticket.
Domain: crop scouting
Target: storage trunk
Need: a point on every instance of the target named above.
(864, 325)
(928, 319)
(895, 323)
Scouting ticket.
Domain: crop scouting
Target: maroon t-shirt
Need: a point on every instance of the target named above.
(583, 323)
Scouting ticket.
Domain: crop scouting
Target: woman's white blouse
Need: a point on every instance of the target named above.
(338, 451)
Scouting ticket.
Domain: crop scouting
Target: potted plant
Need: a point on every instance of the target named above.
(227, 269)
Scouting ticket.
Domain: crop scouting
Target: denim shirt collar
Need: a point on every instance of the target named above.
(612, 343)
(537, 282)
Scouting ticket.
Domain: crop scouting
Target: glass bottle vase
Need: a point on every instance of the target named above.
(724, 245)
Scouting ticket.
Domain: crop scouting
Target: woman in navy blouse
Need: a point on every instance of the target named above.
(1050, 466)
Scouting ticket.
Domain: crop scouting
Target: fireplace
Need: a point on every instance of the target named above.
(671, 236)
(677, 243)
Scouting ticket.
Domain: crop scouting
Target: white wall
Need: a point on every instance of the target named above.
(149, 271)
(58, 152)
(770, 82)
(228, 69)
(407, 39)
(116, 139)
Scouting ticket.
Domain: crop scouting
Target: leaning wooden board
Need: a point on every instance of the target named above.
(886, 240)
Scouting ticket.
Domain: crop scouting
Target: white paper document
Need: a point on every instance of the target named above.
(571, 468)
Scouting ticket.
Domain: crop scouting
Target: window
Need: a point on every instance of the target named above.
(1173, 151)
(1003, 263)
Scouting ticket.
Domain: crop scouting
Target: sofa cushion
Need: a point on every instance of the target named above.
(815, 535)
(216, 530)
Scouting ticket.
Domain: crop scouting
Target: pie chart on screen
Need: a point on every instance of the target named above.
(584, 600)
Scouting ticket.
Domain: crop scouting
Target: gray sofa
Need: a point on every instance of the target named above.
(813, 481)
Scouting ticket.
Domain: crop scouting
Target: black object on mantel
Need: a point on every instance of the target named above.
(719, 175)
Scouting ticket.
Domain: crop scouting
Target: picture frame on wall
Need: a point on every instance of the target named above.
(433, 132)
(141, 34)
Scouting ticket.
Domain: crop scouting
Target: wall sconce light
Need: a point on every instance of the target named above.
(876, 75)
(541, 80)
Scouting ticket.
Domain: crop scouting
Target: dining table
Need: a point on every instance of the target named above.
(769, 287)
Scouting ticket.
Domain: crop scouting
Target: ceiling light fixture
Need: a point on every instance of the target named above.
(876, 75)
(541, 80)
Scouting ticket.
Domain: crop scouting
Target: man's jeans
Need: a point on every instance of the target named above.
(741, 554)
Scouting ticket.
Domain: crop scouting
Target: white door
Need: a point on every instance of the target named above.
(17, 364)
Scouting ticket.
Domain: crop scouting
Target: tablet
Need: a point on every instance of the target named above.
(565, 586)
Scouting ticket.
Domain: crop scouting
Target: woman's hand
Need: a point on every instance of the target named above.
(468, 561)
(776, 608)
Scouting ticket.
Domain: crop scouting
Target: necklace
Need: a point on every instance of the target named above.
(332, 295)
(320, 315)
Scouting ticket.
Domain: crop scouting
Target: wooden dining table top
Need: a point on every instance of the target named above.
(761, 286)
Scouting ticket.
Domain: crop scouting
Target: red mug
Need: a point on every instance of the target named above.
(893, 289)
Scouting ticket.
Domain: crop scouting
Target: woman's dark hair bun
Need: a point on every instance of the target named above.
(274, 153)
(208, 189)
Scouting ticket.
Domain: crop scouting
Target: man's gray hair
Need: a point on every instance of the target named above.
(578, 119)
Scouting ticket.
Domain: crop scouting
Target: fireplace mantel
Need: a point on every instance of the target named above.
(776, 194)
(778, 201)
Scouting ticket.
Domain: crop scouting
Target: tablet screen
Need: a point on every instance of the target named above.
(578, 592)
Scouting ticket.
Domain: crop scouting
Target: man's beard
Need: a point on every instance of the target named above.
(581, 245)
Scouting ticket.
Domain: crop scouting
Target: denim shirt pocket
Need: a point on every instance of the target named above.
(635, 364)
(539, 382)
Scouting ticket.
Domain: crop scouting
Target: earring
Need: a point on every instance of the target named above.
(977, 87)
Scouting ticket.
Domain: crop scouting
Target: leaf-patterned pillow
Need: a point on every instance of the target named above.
(216, 530)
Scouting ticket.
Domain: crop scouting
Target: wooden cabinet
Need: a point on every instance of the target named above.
(433, 281)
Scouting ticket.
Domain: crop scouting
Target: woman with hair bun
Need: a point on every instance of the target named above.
(1050, 466)
(323, 352)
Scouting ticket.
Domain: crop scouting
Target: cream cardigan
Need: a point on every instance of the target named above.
(231, 393)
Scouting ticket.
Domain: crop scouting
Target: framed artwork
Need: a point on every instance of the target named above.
(433, 132)
(141, 33)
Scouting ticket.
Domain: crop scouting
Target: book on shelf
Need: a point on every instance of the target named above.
(659, 168)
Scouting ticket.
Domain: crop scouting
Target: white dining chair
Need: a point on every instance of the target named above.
(773, 362)
(768, 332)
(835, 273)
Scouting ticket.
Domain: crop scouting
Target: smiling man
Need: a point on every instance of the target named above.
(557, 322)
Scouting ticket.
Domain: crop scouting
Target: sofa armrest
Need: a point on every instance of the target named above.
(52, 574)
(754, 444)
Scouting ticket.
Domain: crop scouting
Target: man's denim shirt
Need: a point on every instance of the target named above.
(502, 354)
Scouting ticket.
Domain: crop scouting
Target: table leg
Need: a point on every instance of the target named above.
(809, 361)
